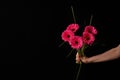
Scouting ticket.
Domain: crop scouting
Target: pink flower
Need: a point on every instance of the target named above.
(73, 27)
(90, 29)
(76, 42)
(88, 38)
(67, 35)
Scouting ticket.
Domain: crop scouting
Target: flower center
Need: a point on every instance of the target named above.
(87, 38)
(73, 29)
(68, 36)
(76, 42)
(90, 31)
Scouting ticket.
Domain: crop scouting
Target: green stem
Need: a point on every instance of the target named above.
(79, 71)
(91, 19)
(79, 51)
(82, 50)
(70, 53)
(73, 14)
(61, 44)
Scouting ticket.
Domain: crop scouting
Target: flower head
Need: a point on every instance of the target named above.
(73, 27)
(88, 38)
(91, 29)
(76, 42)
(67, 35)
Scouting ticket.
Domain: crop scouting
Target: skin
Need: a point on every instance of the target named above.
(111, 54)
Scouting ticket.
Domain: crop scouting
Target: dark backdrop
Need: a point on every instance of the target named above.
(105, 19)
(31, 33)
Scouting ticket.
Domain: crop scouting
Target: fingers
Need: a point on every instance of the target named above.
(77, 58)
(84, 59)
(80, 58)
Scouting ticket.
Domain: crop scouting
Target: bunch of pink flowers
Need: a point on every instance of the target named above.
(79, 42)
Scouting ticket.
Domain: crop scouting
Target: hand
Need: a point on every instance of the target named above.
(83, 59)
(111, 54)
(77, 58)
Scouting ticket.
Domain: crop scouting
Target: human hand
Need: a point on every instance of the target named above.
(84, 59)
(78, 58)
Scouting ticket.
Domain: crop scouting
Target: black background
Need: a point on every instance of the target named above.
(106, 20)
(31, 33)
